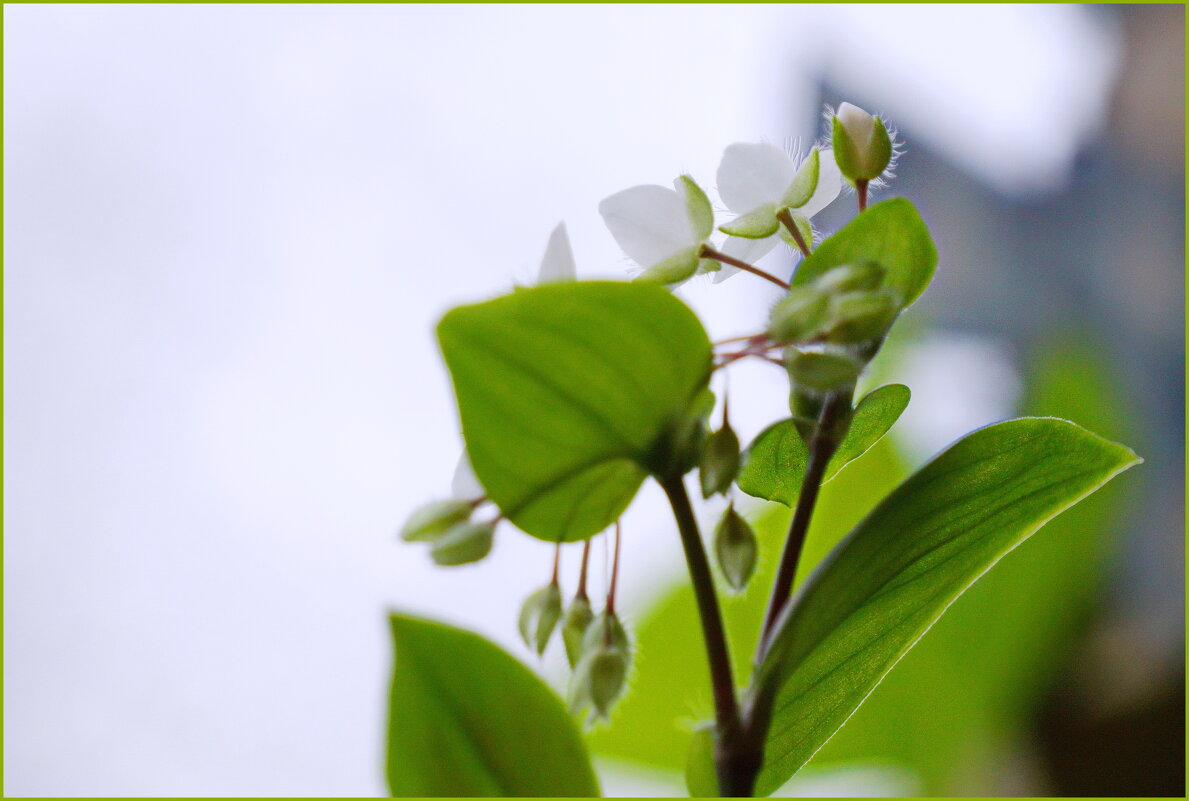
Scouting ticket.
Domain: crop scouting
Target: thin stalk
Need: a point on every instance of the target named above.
(785, 217)
(736, 759)
(556, 562)
(861, 191)
(614, 574)
(710, 253)
(822, 445)
(581, 593)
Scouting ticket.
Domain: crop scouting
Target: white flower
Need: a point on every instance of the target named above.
(756, 182)
(558, 262)
(663, 230)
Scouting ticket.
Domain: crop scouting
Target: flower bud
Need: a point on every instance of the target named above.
(539, 616)
(720, 461)
(822, 372)
(465, 542)
(736, 548)
(799, 315)
(863, 276)
(600, 678)
(862, 316)
(606, 630)
(573, 628)
(431, 519)
(861, 143)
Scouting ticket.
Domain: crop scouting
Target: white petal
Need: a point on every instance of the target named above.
(829, 184)
(558, 262)
(650, 223)
(751, 175)
(748, 250)
(860, 126)
(466, 484)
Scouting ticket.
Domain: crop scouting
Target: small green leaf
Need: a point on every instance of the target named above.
(820, 371)
(891, 234)
(700, 777)
(463, 544)
(466, 719)
(569, 394)
(673, 270)
(799, 315)
(777, 457)
(804, 183)
(758, 224)
(434, 518)
(895, 574)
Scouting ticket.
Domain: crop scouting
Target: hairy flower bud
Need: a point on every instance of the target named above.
(464, 543)
(606, 630)
(821, 372)
(736, 548)
(539, 616)
(431, 519)
(720, 461)
(798, 316)
(865, 275)
(862, 146)
(573, 629)
(599, 679)
(862, 316)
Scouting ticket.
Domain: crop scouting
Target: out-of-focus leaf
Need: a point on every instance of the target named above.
(569, 393)
(967, 689)
(466, 719)
(776, 459)
(891, 234)
(907, 561)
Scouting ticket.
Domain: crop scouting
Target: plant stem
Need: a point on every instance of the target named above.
(827, 434)
(581, 593)
(711, 253)
(737, 761)
(614, 574)
(785, 217)
(861, 191)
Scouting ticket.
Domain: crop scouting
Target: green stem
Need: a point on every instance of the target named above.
(710, 253)
(736, 760)
(785, 217)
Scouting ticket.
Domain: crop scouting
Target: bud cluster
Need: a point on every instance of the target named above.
(452, 536)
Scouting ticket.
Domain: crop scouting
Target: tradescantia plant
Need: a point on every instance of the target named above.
(573, 393)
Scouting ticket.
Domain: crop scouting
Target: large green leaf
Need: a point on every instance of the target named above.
(890, 233)
(776, 459)
(567, 393)
(466, 719)
(906, 562)
(956, 702)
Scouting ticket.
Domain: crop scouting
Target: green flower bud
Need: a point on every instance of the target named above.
(464, 543)
(431, 519)
(862, 316)
(799, 315)
(539, 616)
(720, 461)
(599, 679)
(861, 143)
(736, 548)
(573, 628)
(606, 631)
(822, 372)
(851, 278)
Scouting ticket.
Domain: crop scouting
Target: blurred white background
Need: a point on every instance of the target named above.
(229, 231)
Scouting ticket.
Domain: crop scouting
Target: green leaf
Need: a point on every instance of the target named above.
(568, 394)
(776, 459)
(466, 719)
(906, 562)
(891, 234)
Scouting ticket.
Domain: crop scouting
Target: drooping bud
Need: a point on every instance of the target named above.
(720, 461)
(736, 547)
(539, 616)
(822, 372)
(464, 543)
(573, 629)
(606, 630)
(799, 315)
(862, 316)
(599, 679)
(862, 146)
(431, 519)
(863, 276)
